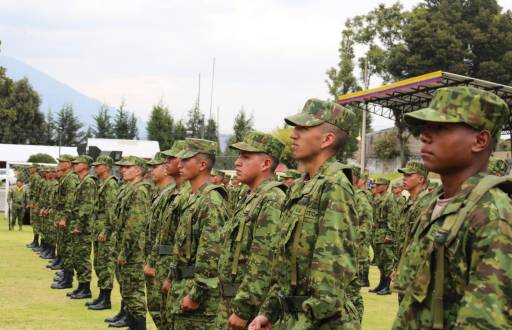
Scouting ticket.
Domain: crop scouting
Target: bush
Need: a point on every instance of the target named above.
(387, 146)
(41, 158)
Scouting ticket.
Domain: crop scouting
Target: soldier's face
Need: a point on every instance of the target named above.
(249, 166)
(158, 172)
(19, 183)
(64, 166)
(80, 167)
(172, 166)
(447, 148)
(306, 142)
(131, 172)
(101, 169)
(380, 188)
(189, 168)
(217, 179)
(411, 181)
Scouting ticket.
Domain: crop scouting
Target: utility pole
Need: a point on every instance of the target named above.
(363, 128)
(211, 91)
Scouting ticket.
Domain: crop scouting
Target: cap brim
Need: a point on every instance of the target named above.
(303, 119)
(428, 115)
(405, 170)
(96, 164)
(185, 154)
(242, 146)
(168, 153)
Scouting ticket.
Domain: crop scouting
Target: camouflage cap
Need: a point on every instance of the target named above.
(316, 112)
(477, 108)
(83, 159)
(104, 160)
(197, 146)
(260, 142)
(414, 167)
(132, 161)
(35, 165)
(383, 181)
(176, 148)
(292, 174)
(498, 167)
(66, 158)
(217, 173)
(159, 159)
(397, 184)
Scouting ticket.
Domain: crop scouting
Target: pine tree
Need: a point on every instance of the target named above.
(211, 132)
(133, 130)
(241, 126)
(160, 126)
(195, 123)
(68, 126)
(121, 124)
(103, 127)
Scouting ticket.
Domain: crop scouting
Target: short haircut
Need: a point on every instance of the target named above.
(210, 160)
(339, 134)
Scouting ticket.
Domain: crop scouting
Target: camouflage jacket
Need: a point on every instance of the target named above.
(248, 238)
(107, 194)
(133, 212)
(236, 195)
(17, 198)
(154, 222)
(477, 272)
(66, 197)
(35, 181)
(198, 243)
(364, 211)
(384, 221)
(317, 228)
(85, 204)
(112, 224)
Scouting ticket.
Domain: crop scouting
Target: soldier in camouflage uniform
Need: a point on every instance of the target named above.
(129, 251)
(65, 214)
(290, 176)
(17, 200)
(384, 233)
(316, 256)
(237, 192)
(34, 181)
(81, 226)
(194, 295)
(498, 167)
(164, 184)
(246, 259)
(44, 201)
(102, 248)
(365, 214)
(217, 177)
(458, 261)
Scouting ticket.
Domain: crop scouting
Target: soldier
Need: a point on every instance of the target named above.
(384, 233)
(17, 199)
(102, 248)
(290, 176)
(217, 177)
(65, 214)
(164, 184)
(49, 213)
(316, 255)
(133, 211)
(365, 214)
(246, 259)
(80, 226)
(459, 256)
(34, 181)
(194, 296)
(48, 250)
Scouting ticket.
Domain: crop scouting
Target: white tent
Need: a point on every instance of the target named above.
(139, 148)
(21, 152)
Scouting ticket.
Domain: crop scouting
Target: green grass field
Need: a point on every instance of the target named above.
(27, 302)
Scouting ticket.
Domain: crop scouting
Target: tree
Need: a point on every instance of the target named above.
(133, 130)
(41, 158)
(103, 127)
(160, 126)
(68, 126)
(284, 135)
(121, 124)
(386, 147)
(180, 131)
(195, 123)
(50, 135)
(241, 126)
(211, 132)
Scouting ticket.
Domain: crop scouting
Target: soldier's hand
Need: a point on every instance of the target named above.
(260, 322)
(62, 224)
(102, 238)
(237, 323)
(121, 261)
(166, 286)
(388, 239)
(149, 271)
(188, 305)
(76, 232)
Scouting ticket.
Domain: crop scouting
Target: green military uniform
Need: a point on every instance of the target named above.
(17, 199)
(102, 251)
(132, 214)
(159, 204)
(33, 195)
(246, 259)
(197, 249)
(458, 261)
(236, 194)
(316, 254)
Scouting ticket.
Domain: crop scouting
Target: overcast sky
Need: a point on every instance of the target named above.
(270, 55)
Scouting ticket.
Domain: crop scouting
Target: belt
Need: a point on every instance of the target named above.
(183, 272)
(164, 250)
(229, 290)
(293, 304)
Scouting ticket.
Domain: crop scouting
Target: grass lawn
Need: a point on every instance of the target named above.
(27, 302)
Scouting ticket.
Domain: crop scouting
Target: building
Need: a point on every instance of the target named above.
(120, 148)
(21, 152)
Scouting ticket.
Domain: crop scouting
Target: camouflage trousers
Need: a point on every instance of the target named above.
(17, 214)
(196, 322)
(384, 257)
(81, 257)
(67, 249)
(363, 257)
(299, 321)
(132, 288)
(223, 313)
(154, 298)
(354, 294)
(34, 221)
(103, 264)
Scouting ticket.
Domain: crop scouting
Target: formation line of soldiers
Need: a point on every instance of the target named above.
(262, 255)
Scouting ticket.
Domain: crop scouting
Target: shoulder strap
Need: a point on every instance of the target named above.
(449, 231)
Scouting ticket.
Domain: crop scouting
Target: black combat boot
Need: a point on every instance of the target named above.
(45, 253)
(137, 323)
(96, 300)
(75, 291)
(385, 287)
(33, 243)
(58, 265)
(365, 281)
(104, 303)
(38, 247)
(84, 292)
(65, 283)
(379, 286)
(118, 315)
(123, 322)
(54, 262)
(50, 254)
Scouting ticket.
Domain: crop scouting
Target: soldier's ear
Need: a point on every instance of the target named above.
(482, 141)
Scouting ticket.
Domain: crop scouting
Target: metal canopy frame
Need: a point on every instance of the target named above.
(415, 93)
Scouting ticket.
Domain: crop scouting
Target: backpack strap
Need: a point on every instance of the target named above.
(449, 230)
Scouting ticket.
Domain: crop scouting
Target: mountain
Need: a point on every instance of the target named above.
(54, 93)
